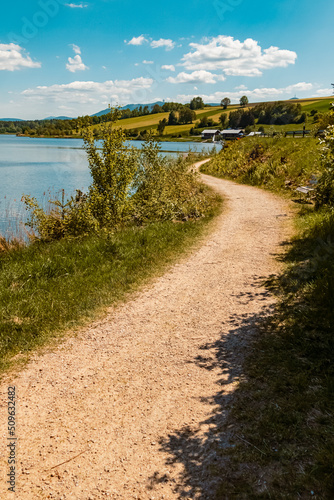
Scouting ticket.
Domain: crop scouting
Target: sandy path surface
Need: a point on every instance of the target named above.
(126, 391)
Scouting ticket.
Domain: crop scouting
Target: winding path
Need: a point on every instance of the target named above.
(107, 401)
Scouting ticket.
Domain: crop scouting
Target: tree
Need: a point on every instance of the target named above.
(223, 119)
(156, 109)
(225, 102)
(172, 119)
(247, 119)
(203, 122)
(243, 101)
(186, 115)
(161, 126)
(235, 118)
(197, 103)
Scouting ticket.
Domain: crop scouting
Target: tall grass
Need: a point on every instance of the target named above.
(279, 164)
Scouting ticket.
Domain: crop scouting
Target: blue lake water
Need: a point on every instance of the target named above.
(42, 167)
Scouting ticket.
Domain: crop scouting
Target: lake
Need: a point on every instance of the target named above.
(42, 167)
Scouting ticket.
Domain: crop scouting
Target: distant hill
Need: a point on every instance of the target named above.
(131, 107)
(11, 120)
(58, 118)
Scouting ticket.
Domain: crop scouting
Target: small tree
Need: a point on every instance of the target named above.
(161, 126)
(113, 172)
(172, 119)
(187, 115)
(156, 109)
(244, 101)
(225, 102)
(223, 119)
(197, 103)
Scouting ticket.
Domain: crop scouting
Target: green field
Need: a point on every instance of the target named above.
(322, 105)
(150, 122)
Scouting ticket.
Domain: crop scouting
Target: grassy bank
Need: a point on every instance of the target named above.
(279, 164)
(48, 288)
(280, 430)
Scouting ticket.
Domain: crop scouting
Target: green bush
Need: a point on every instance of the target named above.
(325, 187)
(128, 186)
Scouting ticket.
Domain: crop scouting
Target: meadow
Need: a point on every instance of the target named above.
(150, 122)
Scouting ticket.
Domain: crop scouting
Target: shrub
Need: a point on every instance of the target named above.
(325, 187)
(129, 186)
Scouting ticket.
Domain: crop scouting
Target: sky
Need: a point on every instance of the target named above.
(73, 57)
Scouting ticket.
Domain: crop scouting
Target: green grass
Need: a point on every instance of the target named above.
(279, 164)
(280, 430)
(46, 289)
(322, 105)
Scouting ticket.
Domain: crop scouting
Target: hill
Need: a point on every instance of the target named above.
(131, 107)
(58, 118)
(11, 120)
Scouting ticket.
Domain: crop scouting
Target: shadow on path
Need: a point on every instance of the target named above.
(201, 448)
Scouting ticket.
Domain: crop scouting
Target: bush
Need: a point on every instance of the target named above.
(129, 186)
(325, 187)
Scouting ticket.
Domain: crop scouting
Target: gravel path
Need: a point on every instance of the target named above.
(116, 403)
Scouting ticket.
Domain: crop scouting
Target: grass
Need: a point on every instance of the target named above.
(280, 430)
(278, 164)
(323, 105)
(47, 289)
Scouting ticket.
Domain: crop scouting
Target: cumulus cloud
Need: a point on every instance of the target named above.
(75, 48)
(75, 64)
(163, 42)
(148, 62)
(90, 92)
(139, 40)
(196, 77)
(13, 57)
(299, 87)
(258, 94)
(324, 92)
(236, 58)
(168, 67)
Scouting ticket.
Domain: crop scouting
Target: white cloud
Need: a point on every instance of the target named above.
(299, 87)
(168, 67)
(76, 5)
(148, 62)
(236, 58)
(241, 87)
(258, 94)
(163, 42)
(196, 77)
(13, 57)
(325, 93)
(139, 40)
(91, 93)
(75, 48)
(75, 64)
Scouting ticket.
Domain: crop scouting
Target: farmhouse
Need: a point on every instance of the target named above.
(232, 134)
(211, 134)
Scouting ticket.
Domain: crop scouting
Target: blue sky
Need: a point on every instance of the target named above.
(60, 57)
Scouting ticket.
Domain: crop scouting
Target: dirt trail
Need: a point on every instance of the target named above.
(123, 386)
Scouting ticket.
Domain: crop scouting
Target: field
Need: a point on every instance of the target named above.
(150, 122)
